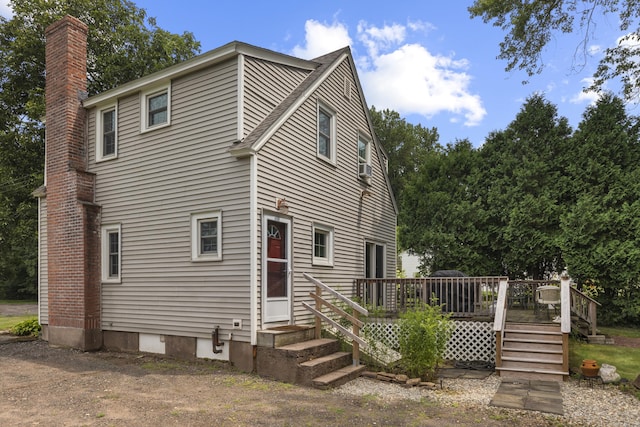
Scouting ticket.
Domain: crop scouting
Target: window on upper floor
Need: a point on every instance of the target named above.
(326, 145)
(322, 245)
(107, 133)
(156, 108)
(364, 158)
(111, 253)
(206, 236)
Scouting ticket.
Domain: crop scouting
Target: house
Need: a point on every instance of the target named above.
(180, 210)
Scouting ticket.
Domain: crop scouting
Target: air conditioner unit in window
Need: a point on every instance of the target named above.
(365, 170)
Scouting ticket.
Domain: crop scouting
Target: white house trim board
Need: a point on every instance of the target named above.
(253, 245)
(201, 61)
(240, 130)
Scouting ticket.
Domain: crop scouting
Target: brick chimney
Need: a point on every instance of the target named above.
(73, 223)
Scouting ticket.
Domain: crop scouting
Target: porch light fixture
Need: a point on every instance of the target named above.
(281, 204)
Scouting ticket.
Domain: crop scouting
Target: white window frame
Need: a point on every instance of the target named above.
(105, 258)
(329, 232)
(196, 220)
(100, 156)
(332, 137)
(144, 107)
(367, 157)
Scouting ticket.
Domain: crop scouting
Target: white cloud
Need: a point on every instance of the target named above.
(5, 10)
(399, 75)
(411, 80)
(585, 96)
(321, 39)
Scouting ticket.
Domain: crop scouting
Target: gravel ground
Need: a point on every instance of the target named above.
(583, 406)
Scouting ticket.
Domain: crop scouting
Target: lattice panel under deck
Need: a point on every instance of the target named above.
(469, 341)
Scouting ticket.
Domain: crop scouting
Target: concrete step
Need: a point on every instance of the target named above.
(314, 368)
(338, 377)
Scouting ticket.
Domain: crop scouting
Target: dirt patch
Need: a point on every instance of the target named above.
(41, 385)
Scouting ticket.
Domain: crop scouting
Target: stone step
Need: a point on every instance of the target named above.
(311, 349)
(338, 377)
(284, 335)
(314, 368)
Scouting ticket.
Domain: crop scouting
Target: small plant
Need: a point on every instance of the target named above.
(423, 335)
(29, 327)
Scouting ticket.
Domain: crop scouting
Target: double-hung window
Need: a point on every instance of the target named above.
(206, 236)
(156, 108)
(322, 245)
(111, 253)
(107, 133)
(364, 158)
(326, 144)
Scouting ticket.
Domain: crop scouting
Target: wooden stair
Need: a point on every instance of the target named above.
(291, 354)
(533, 352)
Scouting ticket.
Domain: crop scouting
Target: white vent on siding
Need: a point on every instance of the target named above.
(347, 88)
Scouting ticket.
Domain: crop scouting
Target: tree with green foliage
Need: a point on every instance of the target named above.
(123, 44)
(530, 26)
(601, 231)
(441, 217)
(524, 190)
(407, 145)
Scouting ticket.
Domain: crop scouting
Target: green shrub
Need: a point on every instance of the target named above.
(423, 335)
(29, 327)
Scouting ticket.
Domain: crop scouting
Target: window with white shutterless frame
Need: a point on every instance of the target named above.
(365, 169)
(111, 236)
(107, 132)
(326, 133)
(323, 240)
(206, 236)
(155, 108)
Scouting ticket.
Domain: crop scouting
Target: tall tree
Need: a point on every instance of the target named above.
(601, 231)
(441, 217)
(123, 44)
(406, 145)
(524, 189)
(530, 25)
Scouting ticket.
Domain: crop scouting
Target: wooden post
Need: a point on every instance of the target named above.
(319, 308)
(593, 317)
(356, 345)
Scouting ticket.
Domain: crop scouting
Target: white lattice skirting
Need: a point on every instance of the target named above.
(470, 341)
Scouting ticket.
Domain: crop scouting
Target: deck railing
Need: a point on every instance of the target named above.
(585, 308)
(461, 296)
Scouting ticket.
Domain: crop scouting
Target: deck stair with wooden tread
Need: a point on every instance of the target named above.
(532, 352)
(291, 354)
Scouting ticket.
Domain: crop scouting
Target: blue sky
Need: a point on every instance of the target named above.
(425, 59)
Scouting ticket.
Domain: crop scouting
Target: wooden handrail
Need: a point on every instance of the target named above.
(356, 323)
(337, 294)
(586, 308)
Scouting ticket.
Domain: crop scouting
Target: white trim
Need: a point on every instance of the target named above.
(100, 157)
(212, 57)
(253, 245)
(333, 138)
(367, 157)
(40, 266)
(241, 63)
(329, 232)
(196, 219)
(144, 106)
(105, 231)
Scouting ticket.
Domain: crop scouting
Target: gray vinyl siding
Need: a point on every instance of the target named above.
(159, 179)
(266, 85)
(328, 194)
(43, 277)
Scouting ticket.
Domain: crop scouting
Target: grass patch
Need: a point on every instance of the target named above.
(625, 359)
(8, 322)
(620, 332)
(6, 301)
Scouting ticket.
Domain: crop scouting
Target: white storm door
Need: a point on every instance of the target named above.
(276, 271)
